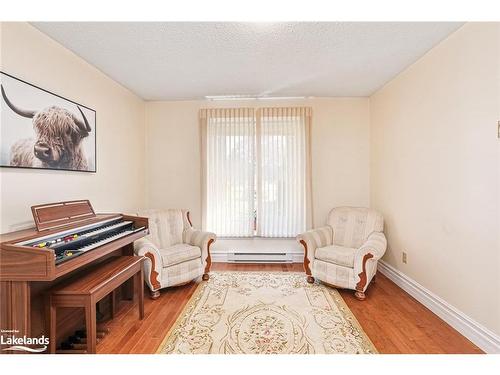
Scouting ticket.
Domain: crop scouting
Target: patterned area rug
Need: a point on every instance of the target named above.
(265, 313)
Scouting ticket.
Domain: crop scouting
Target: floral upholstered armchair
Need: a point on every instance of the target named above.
(344, 253)
(176, 253)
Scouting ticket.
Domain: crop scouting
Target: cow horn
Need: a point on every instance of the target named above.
(20, 112)
(83, 126)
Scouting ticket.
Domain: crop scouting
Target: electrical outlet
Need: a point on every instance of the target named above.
(405, 258)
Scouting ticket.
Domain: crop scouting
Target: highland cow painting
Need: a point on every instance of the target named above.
(40, 129)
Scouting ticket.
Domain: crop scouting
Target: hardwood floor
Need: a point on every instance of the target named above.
(394, 321)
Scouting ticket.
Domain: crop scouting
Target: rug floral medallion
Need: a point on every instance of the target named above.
(265, 313)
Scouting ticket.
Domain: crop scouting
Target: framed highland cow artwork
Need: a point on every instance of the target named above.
(39, 129)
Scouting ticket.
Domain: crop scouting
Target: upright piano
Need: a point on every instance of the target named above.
(69, 238)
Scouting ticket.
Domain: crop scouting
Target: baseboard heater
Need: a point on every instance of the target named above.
(253, 257)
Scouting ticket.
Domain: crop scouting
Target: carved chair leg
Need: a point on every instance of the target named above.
(206, 276)
(363, 278)
(154, 294)
(359, 295)
(374, 278)
(307, 269)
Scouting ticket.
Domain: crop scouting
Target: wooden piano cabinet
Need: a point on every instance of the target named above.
(26, 273)
(23, 263)
(15, 308)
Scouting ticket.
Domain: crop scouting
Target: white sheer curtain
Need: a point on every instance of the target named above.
(256, 171)
(283, 154)
(228, 147)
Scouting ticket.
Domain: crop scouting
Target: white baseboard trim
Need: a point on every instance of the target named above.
(218, 257)
(221, 257)
(475, 332)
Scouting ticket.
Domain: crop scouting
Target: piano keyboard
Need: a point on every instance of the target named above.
(48, 238)
(105, 229)
(102, 240)
(71, 243)
(87, 235)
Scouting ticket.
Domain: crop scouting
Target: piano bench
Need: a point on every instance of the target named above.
(89, 289)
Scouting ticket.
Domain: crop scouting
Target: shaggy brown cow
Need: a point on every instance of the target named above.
(58, 139)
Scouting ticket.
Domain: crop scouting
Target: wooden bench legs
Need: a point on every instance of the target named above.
(112, 305)
(91, 326)
(88, 301)
(139, 292)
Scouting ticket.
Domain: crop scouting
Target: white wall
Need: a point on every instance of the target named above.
(340, 152)
(118, 185)
(435, 170)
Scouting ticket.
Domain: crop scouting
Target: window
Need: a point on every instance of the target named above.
(230, 172)
(256, 171)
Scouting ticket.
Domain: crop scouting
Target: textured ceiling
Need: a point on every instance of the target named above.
(171, 60)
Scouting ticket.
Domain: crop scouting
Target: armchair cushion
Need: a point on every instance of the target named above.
(352, 225)
(343, 256)
(166, 227)
(179, 253)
